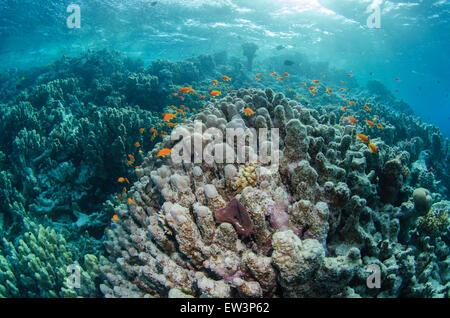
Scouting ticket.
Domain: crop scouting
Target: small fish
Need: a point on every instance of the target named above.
(226, 78)
(367, 108)
(172, 106)
(380, 126)
(131, 157)
(363, 138)
(344, 108)
(115, 218)
(352, 120)
(351, 103)
(215, 93)
(185, 90)
(172, 124)
(370, 123)
(288, 63)
(215, 82)
(286, 74)
(121, 180)
(342, 89)
(316, 81)
(137, 144)
(127, 181)
(259, 74)
(164, 152)
(329, 90)
(248, 111)
(373, 148)
(119, 197)
(168, 117)
(140, 151)
(180, 111)
(141, 130)
(350, 75)
(375, 118)
(431, 169)
(303, 84)
(256, 79)
(129, 162)
(398, 80)
(181, 98)
(274, 74)
(137, 167)
(175, 94)
(202, 96)
(281, 78)
(130, 201)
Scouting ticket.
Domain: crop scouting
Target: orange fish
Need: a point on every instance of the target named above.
(172, 106)
(367, 108)
(259, 74)
(137, 167)
(256, 79)
(121, 180)
(352, 120)
(215, 82)
(130, 201)
(130, 162)
(141, 130)
(375, 118)
(131, 157)
(115, 217)
(369, 123)
(185, 90)
(171, 124)
(168, 117)
(137, 144)
(342, 89)
(226, 78)
(127, 181)
(180, 111)
(140, 151)
(280, 78)
(350, 75)
(363, 138)
(329, 90)
(351, 103)
(215, 93)
(286, 74)
(119, 197)
(181, 98)
(373, 148)
(303, 84)
(344, 108)
(164, 152)
(174, 94)
(248, 111)
(295, 96)
(274, 74)
(380, 126)
(194, 110)
(316, 81)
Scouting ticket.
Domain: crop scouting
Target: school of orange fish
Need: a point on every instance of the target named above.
(179, 114)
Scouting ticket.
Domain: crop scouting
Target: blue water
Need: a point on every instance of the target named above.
(411, 45)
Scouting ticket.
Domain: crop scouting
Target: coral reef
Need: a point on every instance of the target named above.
(308, 227)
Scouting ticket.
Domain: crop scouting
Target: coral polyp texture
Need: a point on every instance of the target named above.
(308, 226)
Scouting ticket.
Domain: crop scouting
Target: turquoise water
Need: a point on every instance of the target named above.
(358, 88)
(411, 43)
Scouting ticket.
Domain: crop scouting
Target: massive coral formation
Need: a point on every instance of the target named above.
(319, 218)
